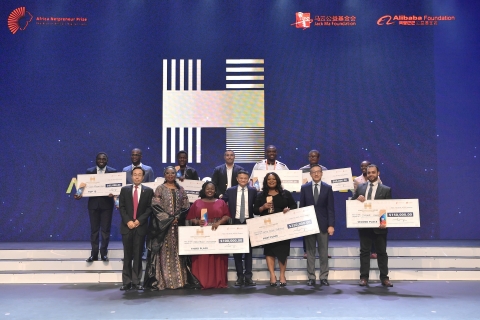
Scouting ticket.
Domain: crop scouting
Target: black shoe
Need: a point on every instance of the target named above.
(91, 259)
(311, 282)
(138, 287)
(104, 258)
(249, 283)
(283, 284)
(324, 282)
(240, 282)
(126, 287)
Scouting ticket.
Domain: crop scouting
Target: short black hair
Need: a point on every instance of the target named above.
(243, 172)
(135, 168)
(202, 194)
(104, 153)
(373, 165)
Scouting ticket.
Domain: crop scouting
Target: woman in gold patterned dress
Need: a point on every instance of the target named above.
(165, 268)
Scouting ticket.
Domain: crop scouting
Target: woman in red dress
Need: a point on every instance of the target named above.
(210, 269)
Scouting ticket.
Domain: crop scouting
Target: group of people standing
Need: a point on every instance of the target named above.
(228, 198)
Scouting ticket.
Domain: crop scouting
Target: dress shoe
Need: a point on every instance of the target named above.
(373, 255)
(363, 282)
(311, 282)
(386, 283)
(240, 282)
(138, 287)
(126, 287)
(249, 283)
(91, 259)
(324, 282)
(104, 258)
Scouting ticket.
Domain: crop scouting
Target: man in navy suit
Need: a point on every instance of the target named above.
(240, 211)
(320, 195)
(373, 190)
(100, 210)
(136, 157)
(135, 207)
(225, 176)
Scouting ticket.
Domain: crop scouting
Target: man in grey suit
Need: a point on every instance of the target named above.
(225, 175)
(135, 207)
(373, 190)
(136, 157)
(320, 195)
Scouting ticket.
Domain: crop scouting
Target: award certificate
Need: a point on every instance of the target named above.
(339, 179)
(390, 212)
(99, 185)
(226, 239)
(282, 226)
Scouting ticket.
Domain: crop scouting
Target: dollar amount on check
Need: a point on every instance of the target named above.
(203, 240)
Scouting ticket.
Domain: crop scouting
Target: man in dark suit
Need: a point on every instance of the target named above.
(136, 157)
(135, 207)
(320, 195)
(240, 211)
(373, 190)
(225, 176)
(184, 171)
(100, 210)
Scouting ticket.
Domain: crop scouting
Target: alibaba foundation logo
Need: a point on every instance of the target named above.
(19, 19)
(385, 20)
(302, 20)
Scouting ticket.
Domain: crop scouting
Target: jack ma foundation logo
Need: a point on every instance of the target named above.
(302, 20)
(19, 19)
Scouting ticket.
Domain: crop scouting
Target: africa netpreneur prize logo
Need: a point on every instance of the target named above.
(19, 19)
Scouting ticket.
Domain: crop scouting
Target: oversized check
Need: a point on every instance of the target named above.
(97, 185)
(339, 179)
(282, 226)
(291, 179)
(203, 240)
(393, 213)
(192, 187)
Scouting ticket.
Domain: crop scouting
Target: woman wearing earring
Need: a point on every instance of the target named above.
(272, 199)
(165, 268)
(209, 269)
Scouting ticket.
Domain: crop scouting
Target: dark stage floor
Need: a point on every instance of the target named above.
(342, 300)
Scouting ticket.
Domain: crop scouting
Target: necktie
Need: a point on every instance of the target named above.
(315, 193)
(242, 206)
(369, 196)
(135, 203)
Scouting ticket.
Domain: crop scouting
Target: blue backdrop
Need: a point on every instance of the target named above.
(402, 96)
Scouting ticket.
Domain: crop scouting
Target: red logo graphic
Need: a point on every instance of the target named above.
(385, 20)
(302, 20)
(15, 17)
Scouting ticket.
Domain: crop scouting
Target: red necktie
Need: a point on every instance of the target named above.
(135, 203)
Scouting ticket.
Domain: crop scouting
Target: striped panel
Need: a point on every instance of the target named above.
(247, 143)
(239, 74)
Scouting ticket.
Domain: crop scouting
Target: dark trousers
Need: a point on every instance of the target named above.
(248, 259)
(367, 236)
(100, 220)
(132, 252)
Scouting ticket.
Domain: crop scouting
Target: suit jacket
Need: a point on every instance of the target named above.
(324, 209)
(149, 175)
(102, 203)
(144, 209)
(383, 192)
(230, 197)
(219, 177)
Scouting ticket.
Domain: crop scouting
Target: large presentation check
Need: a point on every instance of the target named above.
(192, 187)
(203, 240)
(392, 212)
(339, 179)
(97, 185)
(279, 226)
(291, 179)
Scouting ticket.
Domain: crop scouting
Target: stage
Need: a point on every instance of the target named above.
(342, 300)
(432, 280)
